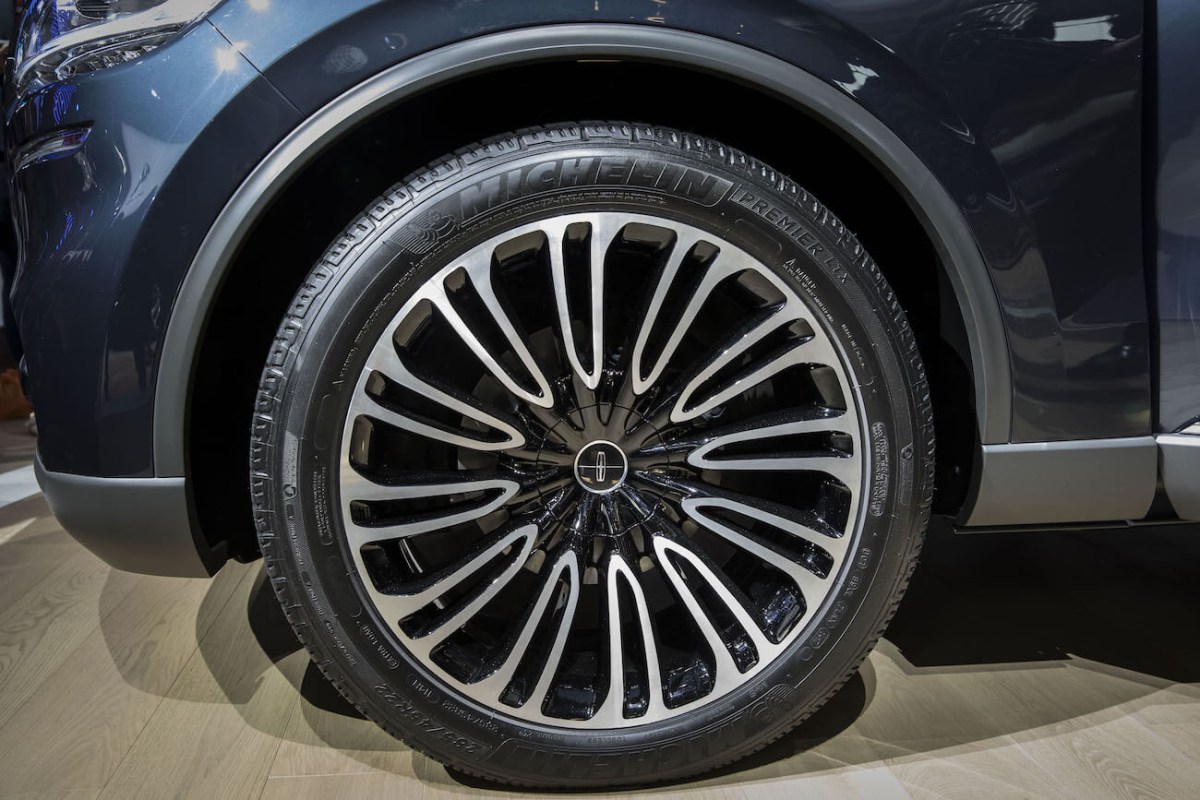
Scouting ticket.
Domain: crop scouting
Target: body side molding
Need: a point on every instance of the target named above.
(1093, 480)
(1179, 460)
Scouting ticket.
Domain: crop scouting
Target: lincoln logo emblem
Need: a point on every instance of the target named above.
(600, 467)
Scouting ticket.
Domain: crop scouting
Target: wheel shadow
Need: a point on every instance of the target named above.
(1116, 602)
(1122, 597)
(275, 636)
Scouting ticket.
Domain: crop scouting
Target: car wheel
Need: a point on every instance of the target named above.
(592, 455)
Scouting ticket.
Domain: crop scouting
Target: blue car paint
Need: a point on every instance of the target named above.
(1177, 234)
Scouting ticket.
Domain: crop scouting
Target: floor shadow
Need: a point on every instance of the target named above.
(1122, 598)
(321, 694)
(1125, 597)
(275, 636)
(268, 623)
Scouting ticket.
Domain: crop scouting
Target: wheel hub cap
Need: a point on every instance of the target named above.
(601, 467)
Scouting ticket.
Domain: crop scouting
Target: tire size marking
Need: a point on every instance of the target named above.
(469, 717)
(418, 721)
(880, 473)
(349, 656)
(320, 504)
(720, 737)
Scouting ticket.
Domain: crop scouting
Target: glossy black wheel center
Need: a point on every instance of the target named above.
(601, 467)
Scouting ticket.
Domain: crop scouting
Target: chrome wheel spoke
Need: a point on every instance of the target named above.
(701, 448)
(810, 351)
(356, 488)
(448, 625)
(398, 606)
(389, 364)
(809, 582)
(602, 229)
(631, 693)
(552, 594)
(601, 470)
(736, 642)
(725, 265)
(641, 382)
(844, 467)
(478, 273)
(812, 530)
(548, 670)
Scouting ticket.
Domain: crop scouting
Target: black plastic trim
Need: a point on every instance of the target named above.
(135, 524)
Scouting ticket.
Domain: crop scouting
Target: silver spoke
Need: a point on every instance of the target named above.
(387, 362)
(603, 230)
(570, 604)
(619, 572)
(726, 264)
(702, 447)
(556, 235)
(480, 278)
(809, 583)
(727, 670)
(480, 599)
(401, 605)
(847, 468)
(357, 488)
(683, 245)
(566, 566)
(814, 351)
(694, 507)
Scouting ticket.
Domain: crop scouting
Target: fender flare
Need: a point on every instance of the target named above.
(929, 200)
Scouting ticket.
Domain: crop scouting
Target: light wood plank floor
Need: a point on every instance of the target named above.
(1020, 666)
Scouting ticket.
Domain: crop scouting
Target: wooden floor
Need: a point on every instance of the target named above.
(1020, 666)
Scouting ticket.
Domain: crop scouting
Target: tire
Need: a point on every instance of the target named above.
(556, 548)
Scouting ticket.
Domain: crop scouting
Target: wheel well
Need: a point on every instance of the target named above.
(339, 183)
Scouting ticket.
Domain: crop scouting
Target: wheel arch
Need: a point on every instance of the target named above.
(961, 265)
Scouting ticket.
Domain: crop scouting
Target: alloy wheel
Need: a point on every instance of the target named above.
(601, 470)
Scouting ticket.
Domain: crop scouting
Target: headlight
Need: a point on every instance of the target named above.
(61, 38)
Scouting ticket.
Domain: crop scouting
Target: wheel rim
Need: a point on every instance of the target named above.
(601, 470)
